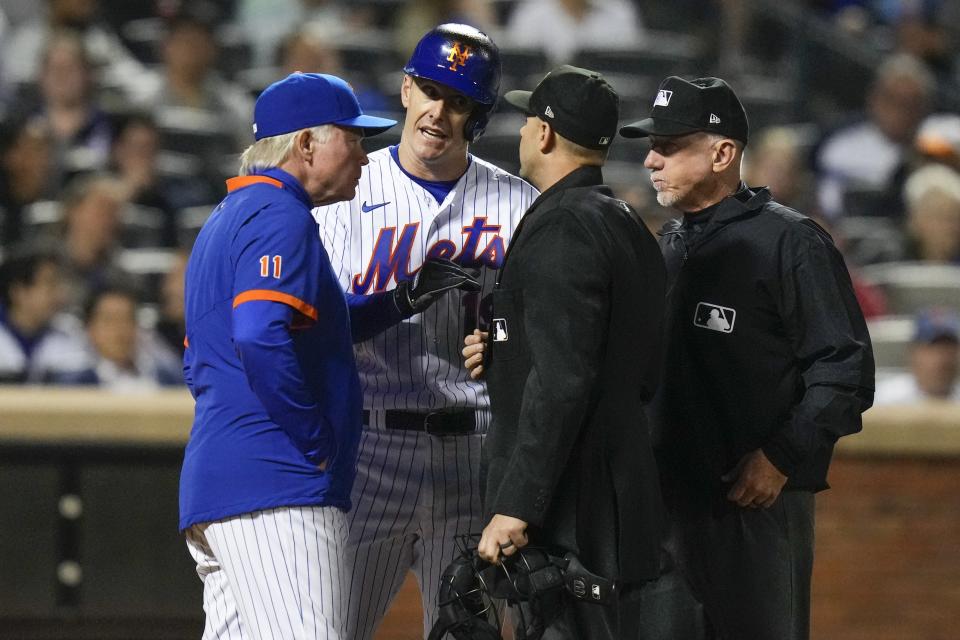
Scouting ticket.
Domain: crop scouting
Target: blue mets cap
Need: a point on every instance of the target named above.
(304, 100)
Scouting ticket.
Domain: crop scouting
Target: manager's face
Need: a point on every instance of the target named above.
(337, 165)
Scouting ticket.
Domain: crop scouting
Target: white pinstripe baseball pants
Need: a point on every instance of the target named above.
(413, 494)
(271, 574)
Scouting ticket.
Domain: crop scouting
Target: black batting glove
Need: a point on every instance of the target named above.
(436, 276)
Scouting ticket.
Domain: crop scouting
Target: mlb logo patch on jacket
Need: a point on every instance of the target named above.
(714, 317)
(500, 330)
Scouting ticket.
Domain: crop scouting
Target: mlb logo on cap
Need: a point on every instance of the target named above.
(704, 104)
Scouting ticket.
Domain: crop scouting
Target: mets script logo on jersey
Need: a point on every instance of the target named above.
(663, 98)
(458, 55)
(714, 317)
(390, 259)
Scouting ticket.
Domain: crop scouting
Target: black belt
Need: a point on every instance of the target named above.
(436, 423)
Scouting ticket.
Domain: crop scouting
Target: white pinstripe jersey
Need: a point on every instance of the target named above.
(383, 234)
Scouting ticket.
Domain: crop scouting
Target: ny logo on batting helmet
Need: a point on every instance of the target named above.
(458, 55)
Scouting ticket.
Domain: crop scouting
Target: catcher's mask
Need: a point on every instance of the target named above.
(530, 580)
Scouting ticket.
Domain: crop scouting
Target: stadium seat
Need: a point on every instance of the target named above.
(868, 240)
(911, 286)
(891, 337)
(143, 227)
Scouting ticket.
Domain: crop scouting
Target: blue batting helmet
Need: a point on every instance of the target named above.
(462, 58)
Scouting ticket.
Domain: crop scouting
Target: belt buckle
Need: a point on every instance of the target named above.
(427, 427)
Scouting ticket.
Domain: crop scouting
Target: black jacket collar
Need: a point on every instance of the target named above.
(587, 176)
(744, 202)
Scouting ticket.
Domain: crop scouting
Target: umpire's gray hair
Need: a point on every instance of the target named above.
(274, 151)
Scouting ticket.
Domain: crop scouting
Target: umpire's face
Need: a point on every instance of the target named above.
(436, 115)
(532, 135)
(685, 170)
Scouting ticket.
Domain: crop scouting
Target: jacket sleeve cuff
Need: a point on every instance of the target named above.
(781, 455)
(527, 505)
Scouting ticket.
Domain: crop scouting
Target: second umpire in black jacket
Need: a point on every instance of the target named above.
(572, 358)
(768, 363)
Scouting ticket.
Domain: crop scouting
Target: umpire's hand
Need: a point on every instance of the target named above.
(473, 353)
(756, 482)
(436, 276)
(502, 537)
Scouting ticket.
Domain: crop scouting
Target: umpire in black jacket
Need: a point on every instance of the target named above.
(572, 357)
(768, 363)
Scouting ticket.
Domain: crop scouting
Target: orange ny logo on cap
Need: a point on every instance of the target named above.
(458, 56)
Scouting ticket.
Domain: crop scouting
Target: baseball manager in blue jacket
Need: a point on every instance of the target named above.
(271, 458)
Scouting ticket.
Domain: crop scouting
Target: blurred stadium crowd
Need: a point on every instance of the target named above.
(120, 120)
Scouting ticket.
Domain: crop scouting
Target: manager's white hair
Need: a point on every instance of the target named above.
(275, 150)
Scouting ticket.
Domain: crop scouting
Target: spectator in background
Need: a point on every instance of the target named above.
(81, 132)
(25, 173)
(124, 358)
(307, 51)
(116, 66)
(938, 139)
(136, 162)
(561, 28)
(267, 22)
(202, 118)
(934, 362)
(920, 30)
(416, 18)
(776, 160)
(191, 95)
(932, 194)
(868, 156)
(37, 341)
(170, 327)
(91, 234)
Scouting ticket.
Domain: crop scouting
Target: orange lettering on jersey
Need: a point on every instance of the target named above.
(265, 266)
(388, 261)
(458, 56)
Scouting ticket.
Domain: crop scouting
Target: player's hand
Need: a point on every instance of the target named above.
(502, 537)
(756, 481)
(473, 353)
(436, 277)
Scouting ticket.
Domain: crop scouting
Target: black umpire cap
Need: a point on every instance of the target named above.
(578, 103)
(684, 106)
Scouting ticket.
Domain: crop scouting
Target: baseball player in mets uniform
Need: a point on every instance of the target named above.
(417, 484)
(271, 458)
